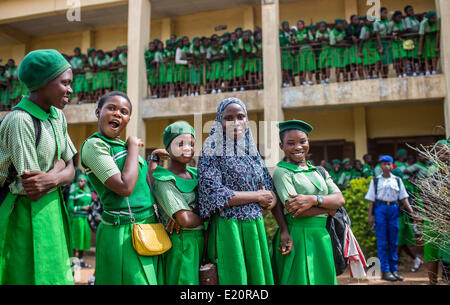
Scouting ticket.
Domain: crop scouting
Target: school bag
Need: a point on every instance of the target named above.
(12, 172)
(336, 227)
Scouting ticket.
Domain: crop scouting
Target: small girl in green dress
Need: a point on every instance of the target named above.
(368, 50)
(399, 53)
(102, 76)
(308, 199)
(429, 42)
(4, 91)
(323, 37)
(175, 189)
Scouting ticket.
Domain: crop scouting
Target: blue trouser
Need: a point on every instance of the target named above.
(386, 232)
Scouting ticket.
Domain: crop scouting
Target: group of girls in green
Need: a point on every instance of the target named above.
(229, 62)
(98, 72)
(11, 89)
(225, 197)
(360, 49)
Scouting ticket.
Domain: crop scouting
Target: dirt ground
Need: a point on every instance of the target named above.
(410, 278)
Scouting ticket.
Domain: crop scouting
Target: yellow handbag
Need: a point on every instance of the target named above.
(149, 239)
(408, 44)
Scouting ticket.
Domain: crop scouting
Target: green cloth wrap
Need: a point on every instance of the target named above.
(39, 67)
(174, 130)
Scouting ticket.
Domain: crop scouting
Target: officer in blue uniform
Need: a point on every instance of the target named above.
(387, 195)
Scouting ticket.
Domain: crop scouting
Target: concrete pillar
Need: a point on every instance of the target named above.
(138, 37)
(350, 8)
(166, 29)
(443, 10)
(360, 131)
(249, 18)
(87, 41)
(273, 113)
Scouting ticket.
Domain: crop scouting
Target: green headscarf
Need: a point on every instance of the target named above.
(39, 67)
(336, 161)
(89, 50)
(345, 161)
(82, 176)
(401, 153)
(339, 20)
(431, 14)
(174, 130)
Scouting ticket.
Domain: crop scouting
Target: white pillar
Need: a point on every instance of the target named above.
(443, 9)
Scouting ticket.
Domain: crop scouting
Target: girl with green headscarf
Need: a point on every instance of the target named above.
(307, 199)
(35, 161)
(175, 189)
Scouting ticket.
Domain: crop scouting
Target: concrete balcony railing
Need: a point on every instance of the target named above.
(364, 92)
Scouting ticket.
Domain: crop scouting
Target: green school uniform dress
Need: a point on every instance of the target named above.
(103, 77)
(182, 72)
(182, 262)
(250, 49)
(88, 76)
(203, 52)
(196, 77)
(354, 49)
(116, 261)
(259, 62)
(397, 45)
(304, 60)
(4, 92)
(151, 68)
(325, 59)
(335, 176)
(115, 74)
(78, 78)
(216, 64)
(35, 244)
(162, 75)
(169, 65)
(227, 62)
(384, 27)
(122, 72)
(311, 261)
(286, 56)
(405, 232)
(369, 47)
(344, 178)
(367, 171)
(17, 88)
(81, 232)
(340, 56)
(429, 43)
(411, 23)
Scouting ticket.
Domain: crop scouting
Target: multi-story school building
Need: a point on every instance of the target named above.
(350, 119)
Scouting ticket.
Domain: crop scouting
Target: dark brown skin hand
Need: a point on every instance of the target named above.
(37, 183)
(299, 203)
(171, 224)
(285, 243)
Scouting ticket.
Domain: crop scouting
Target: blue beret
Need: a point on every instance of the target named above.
(386, 158)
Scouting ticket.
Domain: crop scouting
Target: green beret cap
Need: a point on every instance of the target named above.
(336, 161)
(328, 166)
(431, 14)
(345, 161)
(238, 29)
(178, 40)
(39, 67)
(284, 22)
(195, 39)
(225, 34)
(76, 48)
(401, 153)
(444, 142)
(295, 124)
(321, 22)
(339, 20)
(174, 130)
(90, 50)
(168, 42)
(312, 27)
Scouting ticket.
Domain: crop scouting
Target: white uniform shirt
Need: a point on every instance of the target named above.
(388, 189)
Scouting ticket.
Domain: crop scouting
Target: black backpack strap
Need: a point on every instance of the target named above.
(322, 172)
(375, 184)
(36, 123)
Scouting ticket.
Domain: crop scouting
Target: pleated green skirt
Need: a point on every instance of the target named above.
(242, 251)
(35, 241)
(182, 262)
(81, 233)
(311, 260)
(405, 232)
(116, 261)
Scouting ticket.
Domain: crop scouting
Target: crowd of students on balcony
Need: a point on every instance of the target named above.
(360, 49)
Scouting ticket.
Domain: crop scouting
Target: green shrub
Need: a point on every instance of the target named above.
(358, 208)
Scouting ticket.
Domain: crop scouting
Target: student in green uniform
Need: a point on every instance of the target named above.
(238, 63)
(259, 61)
(316, 49)
(114, 66)
(181, 61)
(325, 60)
(169, 63)
(308, 196)
(32, 252)
(368, 50)
(286, 56)
(176, 191)
(353, 34)
(78, 76)
(89, 70)
(102, 77)
(227, 60)
(336, 171)
(234, 188)
(16, 87)
(196, 67)
(367, 170)
(151, 65)
(305, 59)
(161, 71)
(340, 50)
(4, 90)
(411, 25)
(398, 52)
(118, 175)
(346, 174)
(357, 170)
(122, 70)
(78, 205)
(428, 51)
(249, 53)
(214, 62)
(383, 28)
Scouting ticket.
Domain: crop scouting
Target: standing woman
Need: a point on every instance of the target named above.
(308, 198)
(118, 175)
(234, 187)
(35, 160)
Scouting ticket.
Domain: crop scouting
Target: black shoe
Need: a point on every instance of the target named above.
(397, 276)
(388, 276)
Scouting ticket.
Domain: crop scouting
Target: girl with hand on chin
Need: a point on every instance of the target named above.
(119, 176)
(308, 199)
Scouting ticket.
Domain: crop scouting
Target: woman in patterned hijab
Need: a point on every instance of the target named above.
(234, 188)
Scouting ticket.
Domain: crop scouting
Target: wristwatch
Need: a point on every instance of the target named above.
(153, 158)
(319, 200)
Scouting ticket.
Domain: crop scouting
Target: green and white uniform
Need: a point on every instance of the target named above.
(196, 77)
(227, 52)
(78, 78)
(216, 65)
(384, 27)
(397, 46)
(81, 232)
(405, 232)
(344, 178)
(117, 263)
(340, 56)
(367, 170)
(151, 67)
(325, 55)
(304, 60)
(35, 242)
(311, 261)
(181, 263)
(354, 49)
(286, 54)
(369, 47)
(102, 78)
(17, 87)
(411, 23)
(89, 76)
(169, 65)
(4, 92)
(429, 42)
(122, 72)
